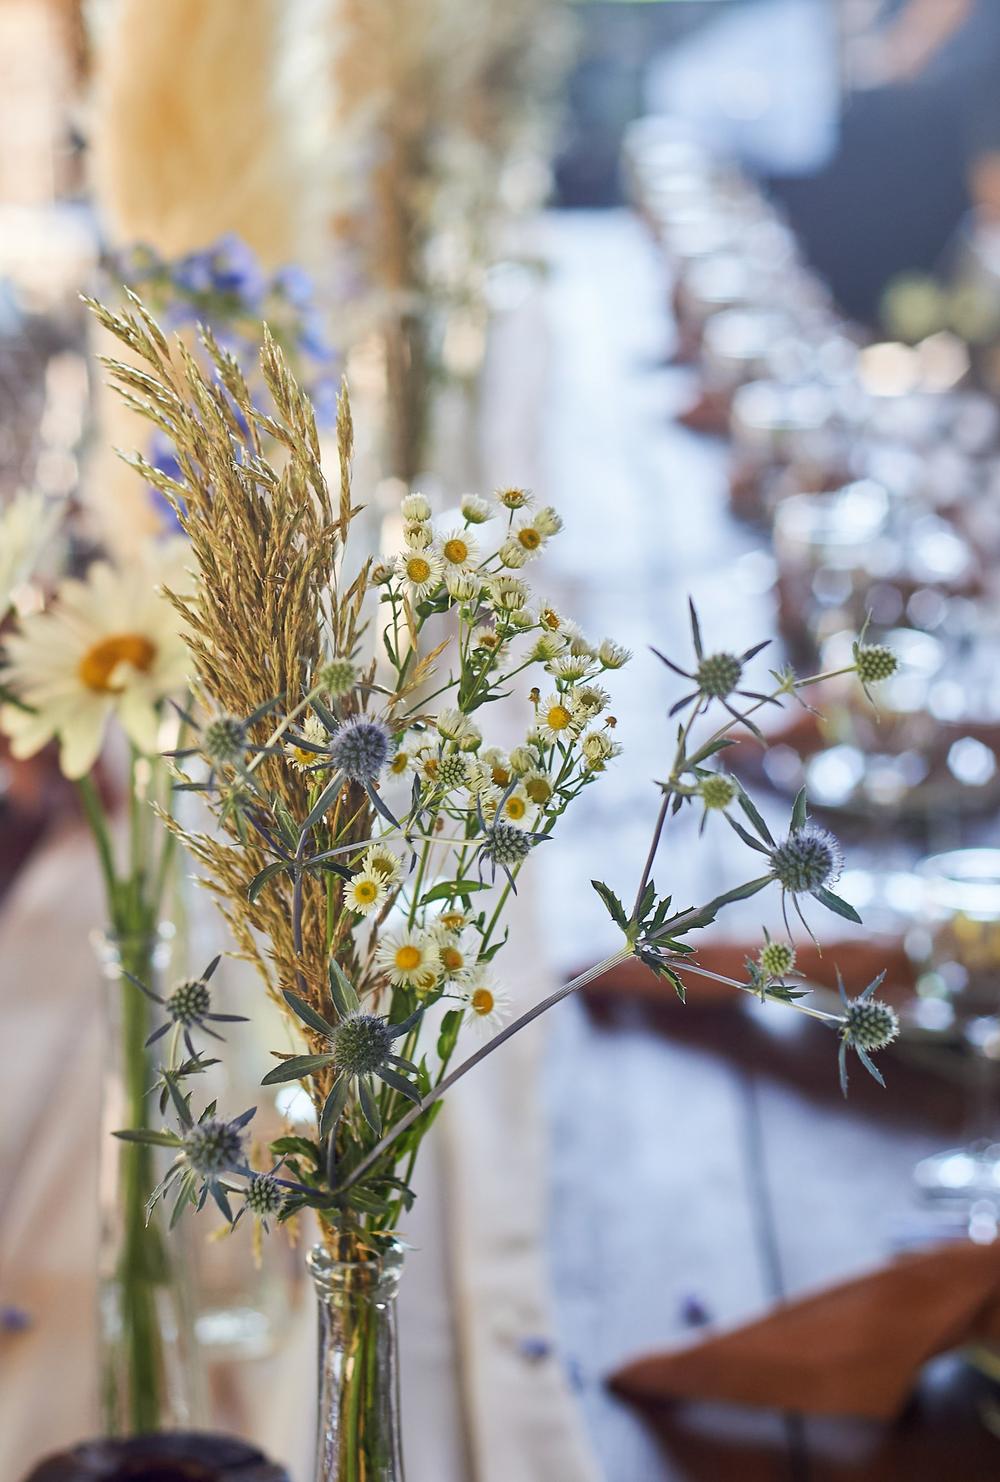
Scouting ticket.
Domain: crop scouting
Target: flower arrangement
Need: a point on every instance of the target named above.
(370, 836)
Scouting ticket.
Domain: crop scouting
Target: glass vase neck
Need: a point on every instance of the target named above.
(358, 1427)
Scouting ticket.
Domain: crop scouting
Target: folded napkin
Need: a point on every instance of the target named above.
(854, 1349)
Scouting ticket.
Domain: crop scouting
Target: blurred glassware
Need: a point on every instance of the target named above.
(961, 914)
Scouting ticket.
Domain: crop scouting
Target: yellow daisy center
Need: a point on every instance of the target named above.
(516, 808)
(398, 763)
(538, 790)
(365, 892)
(456, 551)
(452, 959)
(453, 920)
(417, 569)
(431, 767)
(529, 538)
(482, 1001)
(500, 775)
(99, 663)
(549, 619)
(558, 718)
(408, 958)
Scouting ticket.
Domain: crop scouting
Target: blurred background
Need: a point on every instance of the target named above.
(720, 279)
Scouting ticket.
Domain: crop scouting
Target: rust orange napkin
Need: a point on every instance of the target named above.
(853, 1349)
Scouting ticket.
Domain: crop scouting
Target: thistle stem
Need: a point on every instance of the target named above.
(528, 1017)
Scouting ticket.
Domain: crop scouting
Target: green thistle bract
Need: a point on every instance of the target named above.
(776, 959)
(718, 675)
(264, 1195)
(717, 791)
(361, 1044)
(874, 662)
(807, 861)
(360, 749)
(869, 1024)
(212, 1146)
(224, 740)
(506, 845)
(189, 1002)
(453, 771)
(338, 678)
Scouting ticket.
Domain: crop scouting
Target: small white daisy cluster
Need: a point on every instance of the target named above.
(469, 793)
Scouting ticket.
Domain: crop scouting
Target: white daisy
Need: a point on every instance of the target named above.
(365, 893)
(538, 786)
(457, 951)
(550, 621)
(26, 525)
(515, 498)
(415, 508)
(570, 668)
(522, 760)
(475, 509)
(516, 807)
(418, 537)
(488, 638)
(403, 763)
(498, 764)
(507, 593)
(454, 726)
(613, 655)
(588, 701)
(513, 555)
(463, 586)
(556, 721)
(313, 730)
(422, 570)
(382, 861)
(459, 551)
(109, 645)
(548, 522)
(486, 1004)
(380, 573)
(598, 748)
(410, 959)
(547, 647)
(529, 537)
(452, 921)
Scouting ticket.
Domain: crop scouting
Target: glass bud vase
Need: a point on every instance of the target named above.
(358, 1432)
(147, 1360)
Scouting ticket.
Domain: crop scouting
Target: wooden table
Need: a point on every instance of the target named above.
(698, 1153)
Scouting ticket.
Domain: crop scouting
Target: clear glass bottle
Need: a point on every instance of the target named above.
(358, 1429)
(149, 1371)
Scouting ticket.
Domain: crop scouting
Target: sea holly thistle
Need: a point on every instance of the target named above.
(188, 1008)
(868, 1025)
(370, 832)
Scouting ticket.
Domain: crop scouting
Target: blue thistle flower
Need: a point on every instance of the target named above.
(808, 860)
(360, 750)
(867, 1025)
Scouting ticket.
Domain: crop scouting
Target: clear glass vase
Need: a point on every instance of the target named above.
(148, 1362)
(358, 1431)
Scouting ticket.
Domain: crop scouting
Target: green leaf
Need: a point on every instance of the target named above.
(345, 998)
(306, 1014)
(800, 813)
(739, 893)
(369, 1106)
(755, 818)
(323, 802)
(838, 906)
(334, 1105)
(448, 889)
(154, 1139)
(614, 906)
(295, 1068)
(450, 1025)
(302, 1147)
(267, 873)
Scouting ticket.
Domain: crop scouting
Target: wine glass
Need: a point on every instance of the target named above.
(961, 898)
